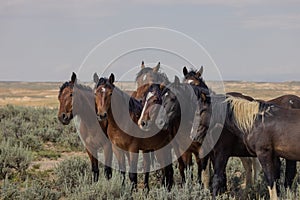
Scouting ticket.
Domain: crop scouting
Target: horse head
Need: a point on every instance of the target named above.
(103, 91)
(65, 97)
(152, 104)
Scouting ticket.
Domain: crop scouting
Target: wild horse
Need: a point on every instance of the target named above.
(147, 76)
(268, 131)
(229, 144)
(122, 112)
(178, 102)
(78, 100)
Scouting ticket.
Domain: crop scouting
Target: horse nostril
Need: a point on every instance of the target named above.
(64, 116)
(143, 123)
(103, 116)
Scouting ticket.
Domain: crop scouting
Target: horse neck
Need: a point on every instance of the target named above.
(84, 106)
(120, 102)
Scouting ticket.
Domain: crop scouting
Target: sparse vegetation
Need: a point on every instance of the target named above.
(30, 136)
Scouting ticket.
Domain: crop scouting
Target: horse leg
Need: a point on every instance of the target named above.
(266, 160)
(146, 164)
(133, 159)
(164, 158)
(277, 164)
(108, 160)
(247, 163)
(219, 179)
(94, 162)
(256, 168)
(290, 173)
(121, 161)
(180, 160)
(187, 159)
(204, 171)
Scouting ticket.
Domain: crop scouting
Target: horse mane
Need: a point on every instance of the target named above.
(244, 112)
(83, 87)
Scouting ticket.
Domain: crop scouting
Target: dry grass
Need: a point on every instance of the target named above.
(39, 94)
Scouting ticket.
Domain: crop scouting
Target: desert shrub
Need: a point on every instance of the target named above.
(14, 158)
(32, 141)
(103, 189)
(9, 190)
(28, 124)
(39, 190)
(71, 172)
(28, 190)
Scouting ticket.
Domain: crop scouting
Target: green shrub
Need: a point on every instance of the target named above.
(71, 171)
(28, 190)
(32, 126)
(14, 158)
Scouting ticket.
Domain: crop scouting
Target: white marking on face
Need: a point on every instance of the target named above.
(103, 90)
(190, 81)
(291, 101)
(144, 77)
(149, 95)
(167, 94)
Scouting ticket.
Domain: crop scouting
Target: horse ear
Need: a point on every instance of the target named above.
(142, 65)
(111, 78)
(73, 77)
(199, 72)
(156, 68)
(96, 78)
(185, 71)
(176, 81)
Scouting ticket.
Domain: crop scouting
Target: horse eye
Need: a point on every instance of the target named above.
(71, 94)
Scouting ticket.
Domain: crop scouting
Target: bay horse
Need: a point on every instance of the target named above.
(144, 78)
(178, 102)
(78, 100)
(122, 112)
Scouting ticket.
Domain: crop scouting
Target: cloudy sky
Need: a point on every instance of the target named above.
(248, 40)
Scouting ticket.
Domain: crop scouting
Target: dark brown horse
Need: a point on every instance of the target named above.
(78, 100)
(178, 102)
(253, 123)
(229, 144)
(122, 113)
(145, 77)
(269, 132)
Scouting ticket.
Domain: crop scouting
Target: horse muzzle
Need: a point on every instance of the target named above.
(144, 125)
(65, 118)
(102, 117)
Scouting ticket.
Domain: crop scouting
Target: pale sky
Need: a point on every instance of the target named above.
(251, 40)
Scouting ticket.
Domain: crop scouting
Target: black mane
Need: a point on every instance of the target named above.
(101, 81)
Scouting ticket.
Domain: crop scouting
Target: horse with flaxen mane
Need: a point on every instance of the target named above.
(229, 144)
(269, 131)
(122, 112)
(78, 100)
